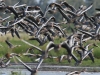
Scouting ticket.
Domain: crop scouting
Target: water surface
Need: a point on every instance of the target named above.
(25, 72)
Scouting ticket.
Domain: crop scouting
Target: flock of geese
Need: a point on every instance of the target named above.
(34, 21)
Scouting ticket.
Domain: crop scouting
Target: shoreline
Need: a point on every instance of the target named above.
(50, 67)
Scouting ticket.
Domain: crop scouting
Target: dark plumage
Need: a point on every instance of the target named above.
(11, 45)
(40, 40)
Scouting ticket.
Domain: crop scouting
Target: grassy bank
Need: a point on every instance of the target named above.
(24, 47)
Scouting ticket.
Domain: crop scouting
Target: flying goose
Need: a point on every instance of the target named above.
(68, 6)
(11, 45)
(44, 24)
(68, 57)
(33, 72)
(44, 54)
(40, 40)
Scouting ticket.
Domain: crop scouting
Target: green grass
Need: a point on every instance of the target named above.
(24, 47)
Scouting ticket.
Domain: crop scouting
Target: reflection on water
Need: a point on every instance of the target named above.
(25, 72)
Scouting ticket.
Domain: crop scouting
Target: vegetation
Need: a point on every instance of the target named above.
(24, 47)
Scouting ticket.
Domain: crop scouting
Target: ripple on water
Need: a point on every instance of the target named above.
(25, 72)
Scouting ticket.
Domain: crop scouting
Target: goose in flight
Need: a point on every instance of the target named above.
(41, 41)
(33, 72)
(4, 62)
(85, 51)
(10, 44)
(68, 57)
(74, 73)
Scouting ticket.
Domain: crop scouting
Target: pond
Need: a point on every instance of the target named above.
(25, 72)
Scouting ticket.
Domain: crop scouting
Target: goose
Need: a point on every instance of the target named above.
(51, 46)
(30, 50)
(68, 6)
(31, 19)
(65, 45)
(4, 29)
(68, 57)
(44, 53)
(31, 45)
(85, 9)
(49, 37)
(33, 9)
(10, 55)
(86, 52)
(51, 8)
(81, 39)
(26, 28)
(52, 27)
(12, 32)
(13, 11)
(97, 9)
(31, 54)
(77, 72)
(5, 61)
(4, 19)
(52, 32)
(91, 34)
(43, 25)
(22, 25)
(59, 29)
(33, 72)
(87, 33)
(64, 15)
(33, 22)
(40, 40)
(69, 50)
(2, 3)
(90, 55)
(16, 32)
(2, 7)
(11, 45)
(74, 73)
